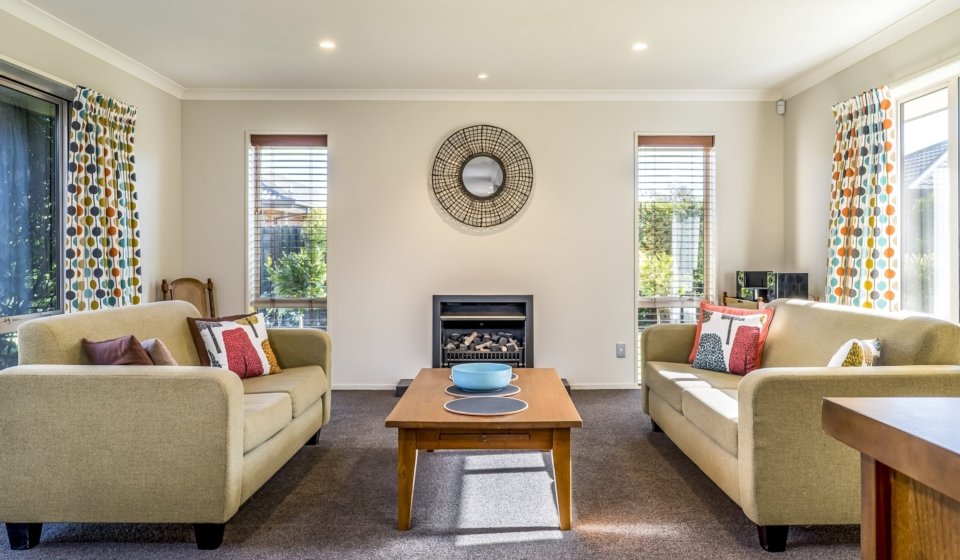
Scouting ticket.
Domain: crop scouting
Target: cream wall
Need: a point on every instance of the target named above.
(809, 133)
(157, 143)
(391, 249)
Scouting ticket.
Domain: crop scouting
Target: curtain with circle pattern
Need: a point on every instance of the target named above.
(102, 245)
(863, 261)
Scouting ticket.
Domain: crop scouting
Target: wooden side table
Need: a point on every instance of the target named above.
(909, 471)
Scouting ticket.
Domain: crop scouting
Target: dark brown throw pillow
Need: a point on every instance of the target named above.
(123, 351)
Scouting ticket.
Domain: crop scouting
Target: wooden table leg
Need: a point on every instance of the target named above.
(406, 473)
(561, 475)
(875, 537)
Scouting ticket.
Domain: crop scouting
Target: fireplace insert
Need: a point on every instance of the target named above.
(483, 329)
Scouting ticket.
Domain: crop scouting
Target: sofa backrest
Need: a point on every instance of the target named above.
(807, 333)
(56, 339)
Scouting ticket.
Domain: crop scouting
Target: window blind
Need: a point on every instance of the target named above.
(675, 227)
(287, 222)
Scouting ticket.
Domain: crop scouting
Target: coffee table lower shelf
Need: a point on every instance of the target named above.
(412, 440)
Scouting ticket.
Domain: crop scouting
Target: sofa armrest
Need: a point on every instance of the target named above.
(663, 343)
(301, 347)
(120, 444)
(791, 472)
(667, 343)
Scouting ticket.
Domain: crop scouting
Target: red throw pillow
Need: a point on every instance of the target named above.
(704, 306)
(122, 351)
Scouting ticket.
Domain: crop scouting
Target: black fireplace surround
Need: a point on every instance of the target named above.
(482, 329)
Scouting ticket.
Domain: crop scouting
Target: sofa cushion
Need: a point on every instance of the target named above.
(669, 379)
(806, 333)
(714, 411)
(56, 339)
(305, 385)
(264, 414)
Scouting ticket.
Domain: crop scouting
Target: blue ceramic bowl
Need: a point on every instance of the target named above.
(481, 376)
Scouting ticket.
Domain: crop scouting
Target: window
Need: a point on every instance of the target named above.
(928, 199)
(287, 229)
(32, 156)
(675, 192)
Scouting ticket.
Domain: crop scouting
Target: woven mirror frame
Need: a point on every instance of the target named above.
(471, 143)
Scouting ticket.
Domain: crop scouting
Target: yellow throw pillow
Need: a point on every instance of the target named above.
(857, 353)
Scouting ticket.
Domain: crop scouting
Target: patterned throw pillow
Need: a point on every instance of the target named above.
(238, 343)
(857, 353)
(729, 339)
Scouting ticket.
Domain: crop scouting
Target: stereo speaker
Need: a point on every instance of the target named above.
(752, 284)
(787, 285)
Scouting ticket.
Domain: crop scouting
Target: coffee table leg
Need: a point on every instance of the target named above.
(406, 473)
(561, 475)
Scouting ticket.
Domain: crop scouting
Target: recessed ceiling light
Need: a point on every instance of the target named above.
(482, 76)
(639, 46)
(327, 44)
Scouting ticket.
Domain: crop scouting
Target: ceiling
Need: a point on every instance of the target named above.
(763, 47)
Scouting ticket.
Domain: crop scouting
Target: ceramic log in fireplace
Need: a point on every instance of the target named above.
(483, 329)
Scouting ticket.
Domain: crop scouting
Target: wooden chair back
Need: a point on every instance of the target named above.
(200, 294)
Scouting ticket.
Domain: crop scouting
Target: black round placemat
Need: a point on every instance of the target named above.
(507, 391)
(486, 406)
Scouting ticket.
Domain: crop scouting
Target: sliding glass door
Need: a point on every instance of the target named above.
(31, 157)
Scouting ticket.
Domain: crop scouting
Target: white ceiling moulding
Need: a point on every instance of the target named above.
(919, 19)
(474, 95)
(70, 34)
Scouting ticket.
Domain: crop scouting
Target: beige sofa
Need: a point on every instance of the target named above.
(759, 437)
(184, 444)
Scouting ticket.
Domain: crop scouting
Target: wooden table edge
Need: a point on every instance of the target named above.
(466, 425)
(847, 425)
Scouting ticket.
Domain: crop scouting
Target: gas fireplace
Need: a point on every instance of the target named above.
(483, 329)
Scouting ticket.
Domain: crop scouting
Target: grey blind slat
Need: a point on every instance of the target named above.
(675, 218)
(288, 192)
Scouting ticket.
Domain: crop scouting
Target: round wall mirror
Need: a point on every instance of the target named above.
(482, 176)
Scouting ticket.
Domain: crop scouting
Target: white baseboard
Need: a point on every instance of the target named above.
(364, 386)
(596, 386)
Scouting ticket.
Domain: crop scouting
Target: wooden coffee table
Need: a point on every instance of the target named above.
(423, 423)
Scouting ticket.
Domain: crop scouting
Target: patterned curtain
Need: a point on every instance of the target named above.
(863, 261)
(102, 246)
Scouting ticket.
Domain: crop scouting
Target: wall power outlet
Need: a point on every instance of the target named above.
(621, 350)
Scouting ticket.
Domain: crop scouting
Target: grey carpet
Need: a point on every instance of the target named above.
(635, 496)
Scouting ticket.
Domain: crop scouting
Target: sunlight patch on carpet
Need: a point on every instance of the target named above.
(506, 498)
(670, 530)
(491, 461)
(479, 539)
